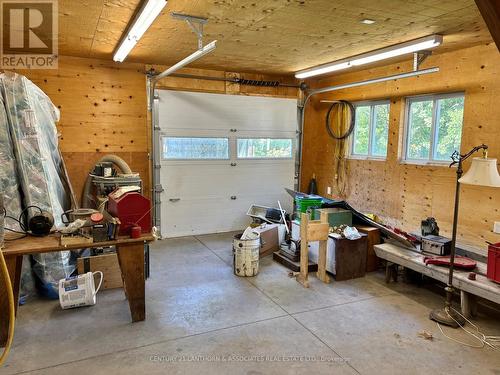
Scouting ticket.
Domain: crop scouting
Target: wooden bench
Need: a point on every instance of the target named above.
(469, 289)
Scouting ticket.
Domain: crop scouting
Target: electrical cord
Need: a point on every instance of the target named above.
(23, 230)
(12, 314)
(491, 341)
(348, 131)
(345, 120)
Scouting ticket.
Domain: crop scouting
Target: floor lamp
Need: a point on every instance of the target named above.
(482, 172)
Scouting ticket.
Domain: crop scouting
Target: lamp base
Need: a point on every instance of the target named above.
(447, 317)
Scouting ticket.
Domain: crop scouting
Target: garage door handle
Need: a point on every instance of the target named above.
(174, 199)
(233, 197)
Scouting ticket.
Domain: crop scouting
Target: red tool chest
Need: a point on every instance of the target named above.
(132, 209)
(493, 270)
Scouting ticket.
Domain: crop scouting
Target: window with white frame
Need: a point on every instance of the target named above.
(433, 127)
(371, 129)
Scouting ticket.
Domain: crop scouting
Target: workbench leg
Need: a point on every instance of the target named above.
(388, 271)
(14, 265)
(468, 304)
(304, 252)
(131, 260)
(322, 262)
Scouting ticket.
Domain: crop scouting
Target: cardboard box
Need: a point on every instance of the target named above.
(269, 239)
(107, 264)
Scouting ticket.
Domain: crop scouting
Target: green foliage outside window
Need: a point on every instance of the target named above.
(441, 137)
(371, 130)
(264, 148)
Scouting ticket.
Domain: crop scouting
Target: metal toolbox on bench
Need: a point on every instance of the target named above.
(437, 245)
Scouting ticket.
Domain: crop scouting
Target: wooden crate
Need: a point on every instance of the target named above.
(372, 261)
(350, 258)
(107, 264)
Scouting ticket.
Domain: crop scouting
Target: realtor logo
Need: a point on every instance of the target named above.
(29, 34)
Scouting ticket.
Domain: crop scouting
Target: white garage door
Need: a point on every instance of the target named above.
(219, 155)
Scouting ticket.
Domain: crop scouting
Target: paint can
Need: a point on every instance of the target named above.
(135, 231)
(77, 291)
(246, 254)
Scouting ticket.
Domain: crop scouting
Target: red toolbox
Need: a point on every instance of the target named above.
(493, 269)
(132, 209)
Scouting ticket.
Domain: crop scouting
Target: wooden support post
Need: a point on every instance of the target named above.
(321, 274)
(304, 251)
(131, 260)
(14, 265)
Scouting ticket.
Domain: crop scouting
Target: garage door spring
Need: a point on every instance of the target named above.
(253, 82)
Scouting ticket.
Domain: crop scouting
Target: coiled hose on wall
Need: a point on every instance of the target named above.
(12, 312)
(117, 161)
(343, 115)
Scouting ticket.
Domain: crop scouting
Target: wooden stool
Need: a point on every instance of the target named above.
(313, 230)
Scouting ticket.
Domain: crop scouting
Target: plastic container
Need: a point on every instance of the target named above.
(302, 204)
(79, 290)
(493, 269)
(246, 255)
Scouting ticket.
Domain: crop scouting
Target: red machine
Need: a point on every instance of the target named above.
(132, 209)
(493, 270)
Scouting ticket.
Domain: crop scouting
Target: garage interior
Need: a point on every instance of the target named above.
(250, 187)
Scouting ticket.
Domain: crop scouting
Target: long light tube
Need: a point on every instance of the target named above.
(194, 56)
(377, 55)
(147, 15)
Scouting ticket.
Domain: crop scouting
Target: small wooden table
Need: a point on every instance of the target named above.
(130, 257)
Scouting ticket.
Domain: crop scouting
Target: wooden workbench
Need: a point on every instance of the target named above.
(481, 287)
(130, 257)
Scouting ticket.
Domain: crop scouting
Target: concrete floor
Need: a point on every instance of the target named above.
(201, 319)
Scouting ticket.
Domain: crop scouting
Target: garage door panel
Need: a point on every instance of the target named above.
(195, 110)
(195, 180)
(263, 179)
(215, 215)
(244, 178)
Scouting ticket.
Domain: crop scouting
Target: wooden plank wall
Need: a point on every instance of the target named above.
(104, 110)
(402, 194)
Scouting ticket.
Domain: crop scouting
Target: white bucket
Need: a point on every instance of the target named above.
(79, 290)
(246, 255)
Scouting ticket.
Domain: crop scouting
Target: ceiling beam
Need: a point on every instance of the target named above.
(490, 10)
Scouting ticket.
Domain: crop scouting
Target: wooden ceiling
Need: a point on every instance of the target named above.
(273, 36)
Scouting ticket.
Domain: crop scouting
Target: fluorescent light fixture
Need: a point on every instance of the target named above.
(194, 56)
(377, 55)
(146, 16)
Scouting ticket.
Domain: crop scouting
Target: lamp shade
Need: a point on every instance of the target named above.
(483, 172)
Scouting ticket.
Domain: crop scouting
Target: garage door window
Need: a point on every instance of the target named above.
(264, 148)
(184, 148)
